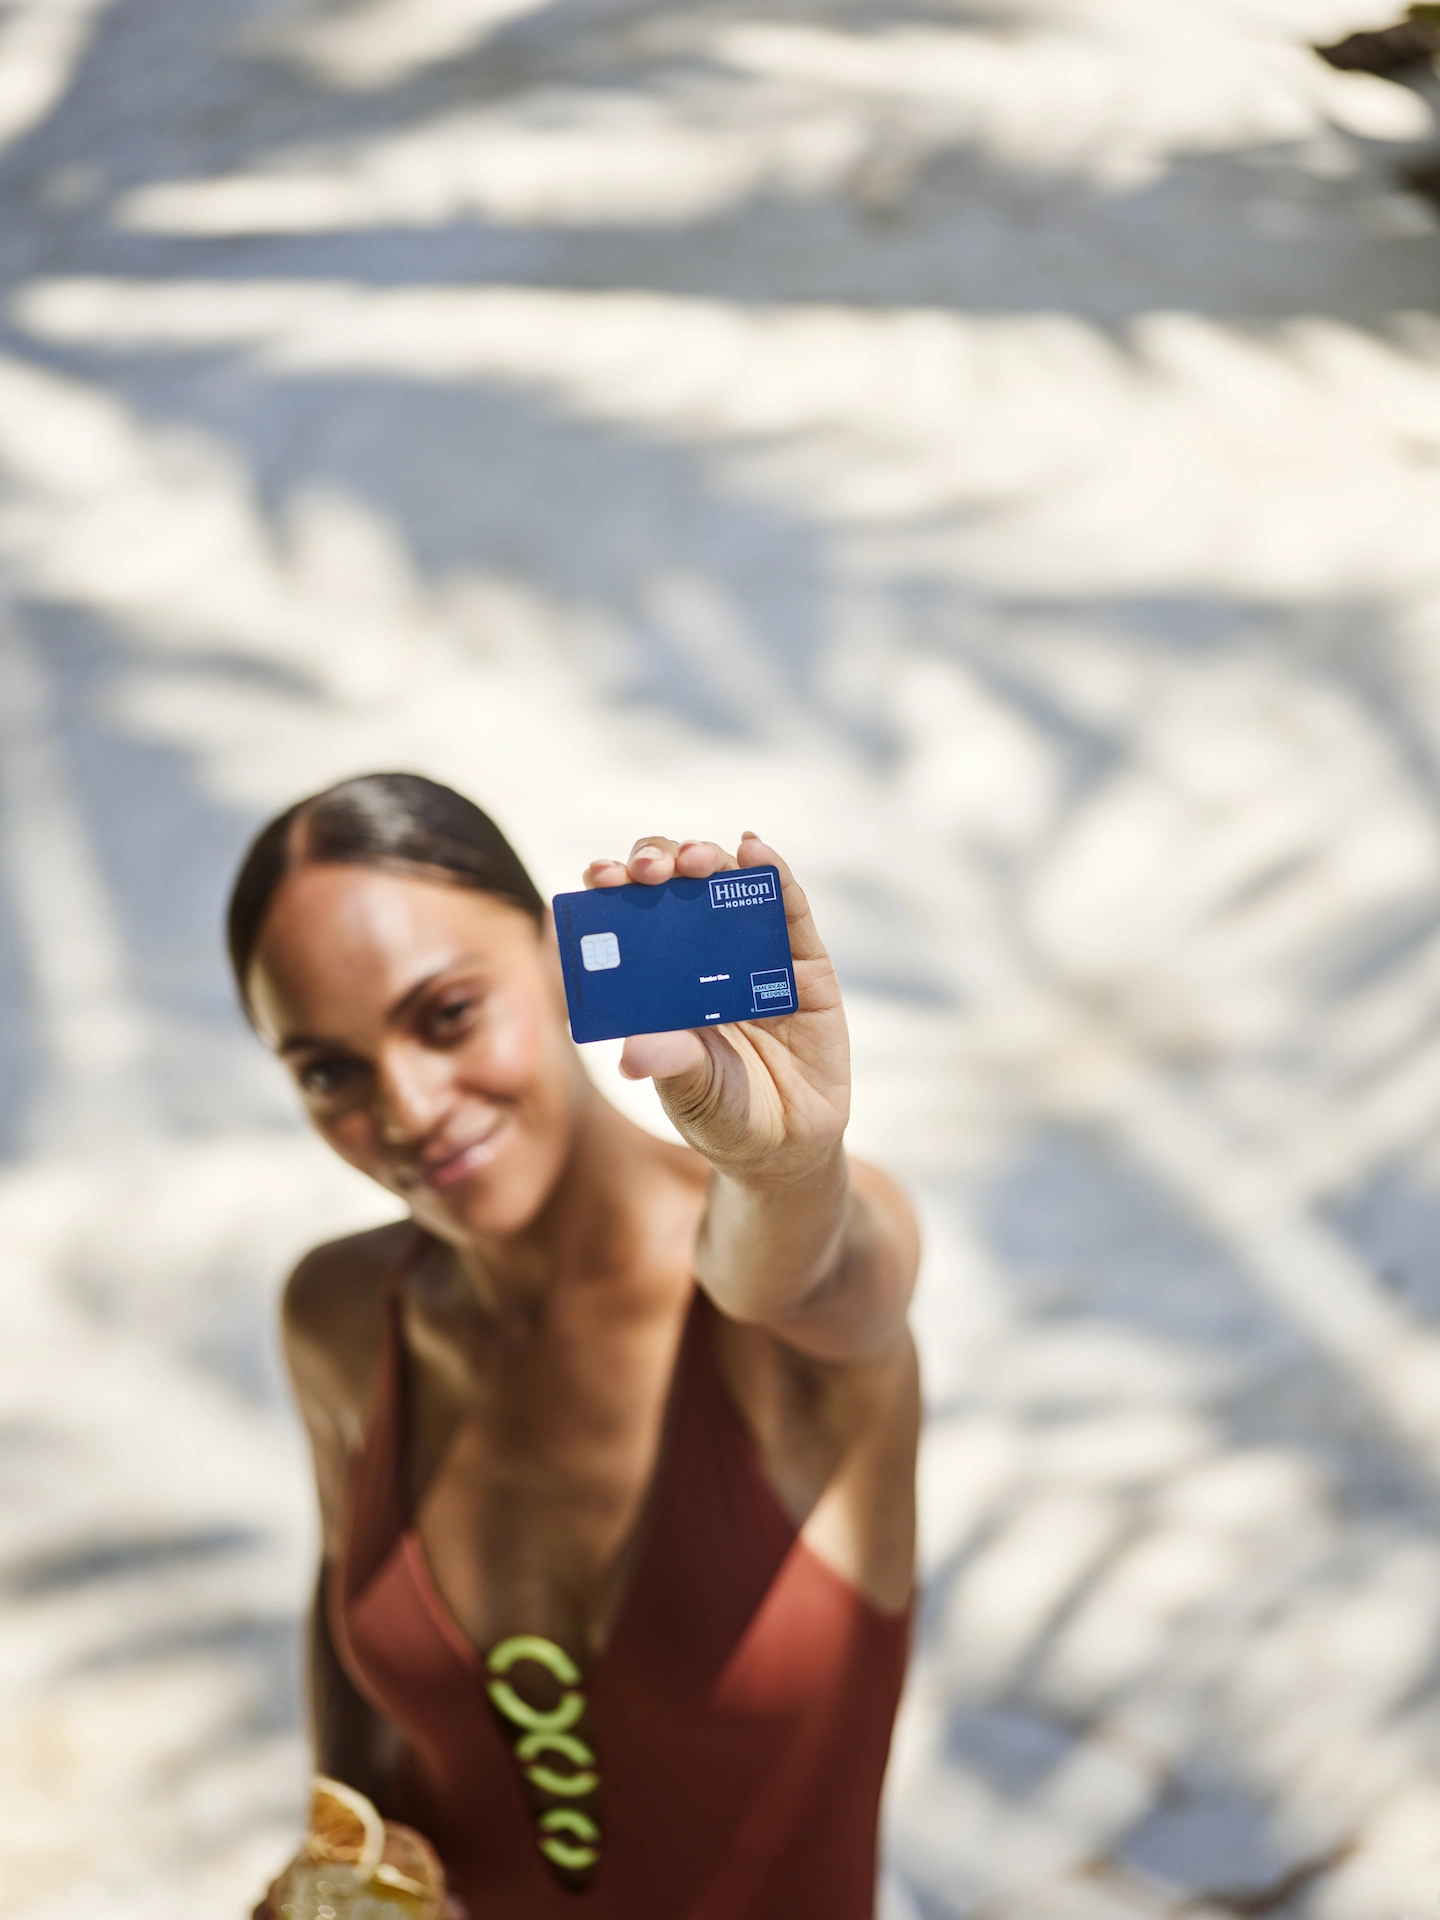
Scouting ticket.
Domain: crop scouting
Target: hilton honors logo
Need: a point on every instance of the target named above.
(742, 889)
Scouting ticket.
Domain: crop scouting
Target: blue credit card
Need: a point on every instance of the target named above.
(690, 953)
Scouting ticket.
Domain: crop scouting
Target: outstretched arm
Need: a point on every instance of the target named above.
(797, 1240)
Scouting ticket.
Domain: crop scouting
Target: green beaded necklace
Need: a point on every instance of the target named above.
(567, 1836)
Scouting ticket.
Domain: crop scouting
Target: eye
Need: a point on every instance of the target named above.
(452, 1016)
(324, 1078)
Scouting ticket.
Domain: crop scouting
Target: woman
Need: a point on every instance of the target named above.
(617, 1566)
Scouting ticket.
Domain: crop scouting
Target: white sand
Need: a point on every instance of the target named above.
(994, 450)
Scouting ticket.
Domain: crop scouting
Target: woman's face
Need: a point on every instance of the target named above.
(425, 1027)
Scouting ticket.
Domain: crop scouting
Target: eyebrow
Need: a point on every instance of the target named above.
(300, 1042)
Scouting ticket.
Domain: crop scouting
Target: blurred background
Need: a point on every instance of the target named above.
(991, 448)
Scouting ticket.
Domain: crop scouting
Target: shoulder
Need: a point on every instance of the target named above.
(333, 1279)
(783, 1388)
(838, 1443)
(332, 1319)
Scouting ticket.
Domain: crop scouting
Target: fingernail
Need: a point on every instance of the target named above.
(749, 834)
(649, 853)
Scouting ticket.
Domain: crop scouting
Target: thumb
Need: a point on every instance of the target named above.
(675, 1057)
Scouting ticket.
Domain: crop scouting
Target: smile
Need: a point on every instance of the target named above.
(465, 1161)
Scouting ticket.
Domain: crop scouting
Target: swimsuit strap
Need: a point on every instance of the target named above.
(376, 1514)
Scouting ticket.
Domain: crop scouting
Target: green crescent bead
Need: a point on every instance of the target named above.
(569, 1820)
(566, 1744)
(521, 1714)
(569, 1784)
(532, 1646)
(572, 1859)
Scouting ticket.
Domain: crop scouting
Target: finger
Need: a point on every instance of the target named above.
(606, 873)
(652, 860)
(663, 1056)
(805, 941)
(696, 858)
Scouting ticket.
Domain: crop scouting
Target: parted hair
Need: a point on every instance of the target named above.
(400, 822)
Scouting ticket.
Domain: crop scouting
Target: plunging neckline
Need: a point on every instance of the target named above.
(638, 1542)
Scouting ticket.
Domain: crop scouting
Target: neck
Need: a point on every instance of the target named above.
(587, 1229)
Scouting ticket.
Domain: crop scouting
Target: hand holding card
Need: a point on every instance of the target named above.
(686, 953)
(762, 1093)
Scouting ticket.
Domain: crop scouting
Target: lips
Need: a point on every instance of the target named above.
(459, 1163)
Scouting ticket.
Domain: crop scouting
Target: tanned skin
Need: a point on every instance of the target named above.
(546, 1266)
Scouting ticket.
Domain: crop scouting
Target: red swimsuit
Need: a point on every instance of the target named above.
(742, 1708)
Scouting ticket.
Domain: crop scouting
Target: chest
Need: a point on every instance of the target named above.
(528, 1482)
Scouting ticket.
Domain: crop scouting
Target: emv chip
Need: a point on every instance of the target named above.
(598, 951)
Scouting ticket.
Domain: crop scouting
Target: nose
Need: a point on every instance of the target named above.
(410, 1097)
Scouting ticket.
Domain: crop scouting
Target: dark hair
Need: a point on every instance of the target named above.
(400, 822)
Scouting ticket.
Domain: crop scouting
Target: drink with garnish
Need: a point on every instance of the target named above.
(355, 1866)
